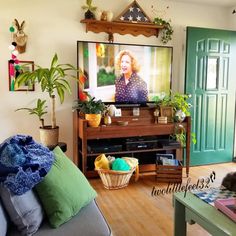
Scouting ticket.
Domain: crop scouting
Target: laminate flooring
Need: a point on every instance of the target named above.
(134, 211)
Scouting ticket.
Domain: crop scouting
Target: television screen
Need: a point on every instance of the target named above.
(124, 73)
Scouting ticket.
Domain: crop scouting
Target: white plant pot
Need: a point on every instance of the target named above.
(49, 136)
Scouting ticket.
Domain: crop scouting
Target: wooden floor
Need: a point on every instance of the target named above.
(133, 211)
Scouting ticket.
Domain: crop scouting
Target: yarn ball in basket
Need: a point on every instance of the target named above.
(120, 165)
(101, 162)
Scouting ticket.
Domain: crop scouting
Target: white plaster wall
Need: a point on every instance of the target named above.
(54, 26)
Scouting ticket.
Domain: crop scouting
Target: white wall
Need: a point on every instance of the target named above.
(54, 26)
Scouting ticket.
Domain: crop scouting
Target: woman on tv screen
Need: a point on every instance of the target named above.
(129, 86)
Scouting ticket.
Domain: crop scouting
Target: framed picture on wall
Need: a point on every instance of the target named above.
(15, 70)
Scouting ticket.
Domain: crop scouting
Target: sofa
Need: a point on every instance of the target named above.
(88, 222)
(63, 203)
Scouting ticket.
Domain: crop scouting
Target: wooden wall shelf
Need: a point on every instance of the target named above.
(122, 28)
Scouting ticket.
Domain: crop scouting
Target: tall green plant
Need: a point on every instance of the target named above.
(53, 80)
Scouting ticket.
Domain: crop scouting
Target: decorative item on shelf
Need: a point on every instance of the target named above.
(98, 14)
(89, 14)
(52, 80)
(167, 31)
(104, 16)
(156, 114)
(167, 112)
(19, 36)
(91, 109)
(179, 116)
(109, 15)
(107, 119)
(122, 123)
(162, 120)
(111, 110)
(133, 13)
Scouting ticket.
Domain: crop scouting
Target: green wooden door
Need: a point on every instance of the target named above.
(211, 79)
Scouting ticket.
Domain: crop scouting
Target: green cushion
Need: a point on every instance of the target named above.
(64, 190)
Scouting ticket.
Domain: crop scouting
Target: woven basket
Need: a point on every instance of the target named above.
(112, 179)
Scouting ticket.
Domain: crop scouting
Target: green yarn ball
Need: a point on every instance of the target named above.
(120, 165)
(12, 29)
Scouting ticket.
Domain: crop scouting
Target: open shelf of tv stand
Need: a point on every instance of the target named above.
(132, 151)
(138, 126)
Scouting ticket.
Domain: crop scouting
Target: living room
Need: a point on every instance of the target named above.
(55, 27)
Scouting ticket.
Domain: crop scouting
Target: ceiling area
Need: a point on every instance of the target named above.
(223, 3)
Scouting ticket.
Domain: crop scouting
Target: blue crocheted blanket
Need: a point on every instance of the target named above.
(23, 163)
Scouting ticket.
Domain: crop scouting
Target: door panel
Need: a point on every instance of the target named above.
(211, 79)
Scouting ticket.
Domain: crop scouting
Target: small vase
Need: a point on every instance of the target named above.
(107, 120)
(179, 116)
(89, 15)
(156, 114)
(98, 14)
(111, 110)
(109, 15)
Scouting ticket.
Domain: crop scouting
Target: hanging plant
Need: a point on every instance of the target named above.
(167, 31)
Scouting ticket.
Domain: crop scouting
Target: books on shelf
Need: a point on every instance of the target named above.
(166, 160)
(169, 162)
(227, 206)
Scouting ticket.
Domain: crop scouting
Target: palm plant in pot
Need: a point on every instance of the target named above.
(92, 109)
(52, 80)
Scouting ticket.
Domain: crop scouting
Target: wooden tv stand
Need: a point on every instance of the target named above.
(142, 125)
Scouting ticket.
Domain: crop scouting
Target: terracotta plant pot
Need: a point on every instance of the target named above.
(49, 136)
(93, 119)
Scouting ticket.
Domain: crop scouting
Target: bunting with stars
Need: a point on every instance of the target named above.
(133, 13)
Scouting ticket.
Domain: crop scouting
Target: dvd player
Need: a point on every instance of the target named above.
(141, 143)
(104, 148)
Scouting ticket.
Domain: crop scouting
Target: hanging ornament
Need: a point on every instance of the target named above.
(12, 29)
(11, 47)
(15, 53)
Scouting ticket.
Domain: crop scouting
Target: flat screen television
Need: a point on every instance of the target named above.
(122, 73)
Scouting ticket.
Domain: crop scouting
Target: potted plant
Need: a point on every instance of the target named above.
(89, 14)
(167, 31)
(52, 80)
(91, 108)
(179, 103)
(39, 110)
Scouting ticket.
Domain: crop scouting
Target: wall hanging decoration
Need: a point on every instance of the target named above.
(15, 68)
(19, 36)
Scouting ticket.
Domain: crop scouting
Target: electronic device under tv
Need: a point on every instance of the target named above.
(98, 61)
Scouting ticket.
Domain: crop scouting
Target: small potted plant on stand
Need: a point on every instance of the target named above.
(52, 80)
(91, 109)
